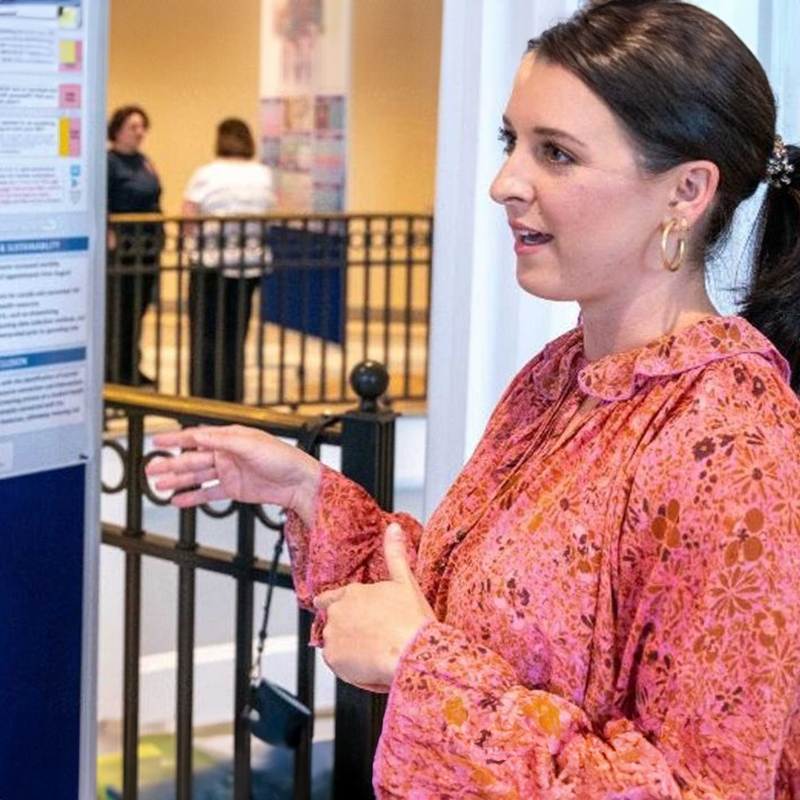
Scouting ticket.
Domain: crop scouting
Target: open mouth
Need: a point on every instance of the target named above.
(534, 237)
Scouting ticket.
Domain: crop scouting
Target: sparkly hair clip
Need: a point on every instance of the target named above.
(779, 170)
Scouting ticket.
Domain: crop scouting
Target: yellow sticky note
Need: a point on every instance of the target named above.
(67, 52)
(68, 17)
(63, 136)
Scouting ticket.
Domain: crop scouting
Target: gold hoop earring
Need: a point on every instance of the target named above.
(675, 263)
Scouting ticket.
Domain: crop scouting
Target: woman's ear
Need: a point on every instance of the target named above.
(695, 188)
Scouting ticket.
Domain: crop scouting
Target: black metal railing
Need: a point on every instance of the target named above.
(366, 439)
(268, 310)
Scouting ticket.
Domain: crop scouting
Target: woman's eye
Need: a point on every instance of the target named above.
(507, 138)
(555, 155)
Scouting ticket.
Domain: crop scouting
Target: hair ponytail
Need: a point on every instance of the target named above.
(772, 303)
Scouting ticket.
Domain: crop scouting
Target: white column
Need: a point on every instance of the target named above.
(483, 326)
(783, 67)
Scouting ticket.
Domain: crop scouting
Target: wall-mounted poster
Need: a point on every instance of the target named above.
(53, 80)
(305, 61)
(48, 217)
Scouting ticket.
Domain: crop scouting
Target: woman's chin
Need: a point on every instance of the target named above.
(539, 284)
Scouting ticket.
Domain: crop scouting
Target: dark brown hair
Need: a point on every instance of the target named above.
(120, 116)
(686, 88)
(234, 139)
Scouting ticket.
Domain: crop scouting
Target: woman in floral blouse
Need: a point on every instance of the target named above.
(607, 602)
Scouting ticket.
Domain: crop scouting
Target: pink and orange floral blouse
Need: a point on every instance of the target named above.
(618, 608)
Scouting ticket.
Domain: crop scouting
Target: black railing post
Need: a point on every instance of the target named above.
(306, 662)
(244, 655)
(306, 674)
(367, 459)
(133, 611)
(185, 674)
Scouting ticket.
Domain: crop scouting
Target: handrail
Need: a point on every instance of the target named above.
(196, 409)
(279, 216)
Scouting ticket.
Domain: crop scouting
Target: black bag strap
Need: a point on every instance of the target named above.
(312, 430)
(262, 633)
(306, 441)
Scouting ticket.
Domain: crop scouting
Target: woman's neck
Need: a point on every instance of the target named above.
(614, 327)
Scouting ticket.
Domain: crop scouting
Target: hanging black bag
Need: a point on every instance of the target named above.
(276, 716)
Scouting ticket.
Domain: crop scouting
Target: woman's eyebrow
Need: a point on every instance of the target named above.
(541, 130)
(558, 133)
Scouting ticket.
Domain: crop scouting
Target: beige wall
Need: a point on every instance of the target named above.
(189, 63)
(192, 62)
(395, 85)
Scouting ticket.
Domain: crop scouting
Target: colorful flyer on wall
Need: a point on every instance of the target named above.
(305, 55)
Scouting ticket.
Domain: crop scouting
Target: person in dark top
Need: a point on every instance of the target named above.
(134, 250)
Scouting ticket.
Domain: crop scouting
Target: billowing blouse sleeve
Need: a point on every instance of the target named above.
(345, 543)
(707, 686)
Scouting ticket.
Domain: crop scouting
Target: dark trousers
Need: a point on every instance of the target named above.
(219, 313)
(128, 295)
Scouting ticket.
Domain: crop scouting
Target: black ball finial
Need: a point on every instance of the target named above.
(369, 380)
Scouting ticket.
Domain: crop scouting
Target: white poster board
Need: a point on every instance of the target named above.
(51, 117)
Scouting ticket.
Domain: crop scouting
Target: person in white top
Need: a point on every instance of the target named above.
(227, 259)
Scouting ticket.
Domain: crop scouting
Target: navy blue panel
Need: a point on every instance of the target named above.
(41, 588)
(305, 288)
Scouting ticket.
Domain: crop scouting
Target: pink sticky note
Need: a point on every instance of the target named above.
(75, 137)
(69, 95)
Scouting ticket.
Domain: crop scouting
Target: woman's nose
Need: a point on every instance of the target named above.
(510, 185)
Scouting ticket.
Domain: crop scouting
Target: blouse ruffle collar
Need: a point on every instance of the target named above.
(620, 375)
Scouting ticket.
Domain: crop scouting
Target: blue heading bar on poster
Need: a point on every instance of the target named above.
(24, 247)
(52, 358)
